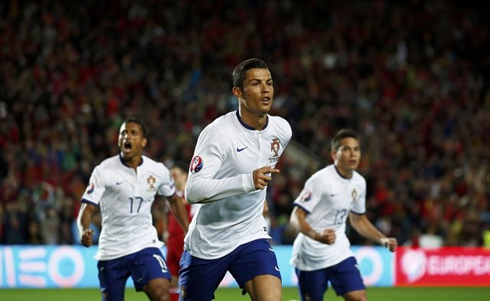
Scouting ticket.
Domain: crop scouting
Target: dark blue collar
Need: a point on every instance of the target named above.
(124, 163)
(341, 174)
(247, 126)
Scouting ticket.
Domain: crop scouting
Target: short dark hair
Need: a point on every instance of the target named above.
(342, 134)
(142, 125)
(241, 69)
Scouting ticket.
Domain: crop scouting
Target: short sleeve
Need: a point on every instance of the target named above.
(311, 194)
(95, 188)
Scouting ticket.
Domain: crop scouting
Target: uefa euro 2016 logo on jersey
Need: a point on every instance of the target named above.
(90, 188)
(151, 180)
(196, 164)
(306, 196)
(354, 194)
(275, 146)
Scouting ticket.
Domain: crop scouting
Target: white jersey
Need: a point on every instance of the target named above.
(125, 197)
(328, 198)
(220, 178)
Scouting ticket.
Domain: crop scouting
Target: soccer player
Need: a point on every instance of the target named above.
(321, 251)
(124, 187)
(175, 238)
(234, 160)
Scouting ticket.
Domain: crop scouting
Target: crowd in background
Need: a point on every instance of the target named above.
(411, 77)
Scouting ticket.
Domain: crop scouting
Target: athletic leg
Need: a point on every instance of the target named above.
(255, 269)
(347, 281)
(264, 287)
(113, 275)
(355, 296)
(199, 278)
(150, 274)
(312, 284)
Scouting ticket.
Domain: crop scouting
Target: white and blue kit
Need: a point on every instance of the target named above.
(125, 197)
(221, 179)
(328, 198)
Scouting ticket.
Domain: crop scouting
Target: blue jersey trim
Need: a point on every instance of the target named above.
(341, 174)
(247, 126)
(358, 213)
(89, 202)
(308, 211)
(124, 163)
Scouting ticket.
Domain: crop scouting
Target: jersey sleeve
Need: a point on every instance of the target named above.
(167, 187)
(96, 187)
(311, 194)
(359, 204)
(202, 184)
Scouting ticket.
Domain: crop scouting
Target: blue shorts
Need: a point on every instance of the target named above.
(142, 266)
(345, 277)
(199, 278)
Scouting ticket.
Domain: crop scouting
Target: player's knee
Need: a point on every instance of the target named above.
(160, 296)
(358, 296)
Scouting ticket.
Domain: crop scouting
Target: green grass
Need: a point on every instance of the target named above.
(232, 294)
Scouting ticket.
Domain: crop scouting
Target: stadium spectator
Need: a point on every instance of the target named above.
(411, 77)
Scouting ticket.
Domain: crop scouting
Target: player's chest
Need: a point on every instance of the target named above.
(341, 196)
(133, 184)
(255, 150)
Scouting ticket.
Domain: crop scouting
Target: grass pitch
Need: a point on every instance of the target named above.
(289, 293)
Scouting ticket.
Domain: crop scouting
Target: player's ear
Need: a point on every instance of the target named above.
(144, 142)
(237, 92)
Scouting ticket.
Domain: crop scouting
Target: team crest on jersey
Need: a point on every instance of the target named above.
(275, 146)
(354, 194)
(151, 180)
(306, 196)
(196, 164)
(90, 188)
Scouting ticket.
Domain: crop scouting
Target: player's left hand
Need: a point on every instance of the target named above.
(390, 243)
(86, 238)
(262, 176)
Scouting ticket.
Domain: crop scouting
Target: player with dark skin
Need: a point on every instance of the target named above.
(131, 144)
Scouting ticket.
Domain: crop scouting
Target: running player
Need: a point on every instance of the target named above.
(124, 188)
(234, 160)
(321, 251)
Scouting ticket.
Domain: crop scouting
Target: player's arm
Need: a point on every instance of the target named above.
(362, 225)
(210, 154)
(177, 206)
(298, 221)
(83, 221)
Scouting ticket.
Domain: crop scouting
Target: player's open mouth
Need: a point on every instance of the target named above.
(266, 100)
(127, 145)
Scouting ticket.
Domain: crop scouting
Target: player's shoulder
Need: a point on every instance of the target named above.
(149, 163)
(320, 174)
(217, 127)
(357, 177)
(110, 162)
(281, 125)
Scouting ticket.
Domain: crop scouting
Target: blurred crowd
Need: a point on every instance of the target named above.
(411, 77)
